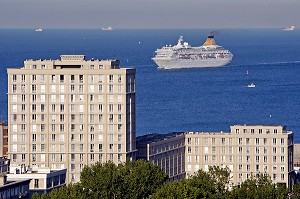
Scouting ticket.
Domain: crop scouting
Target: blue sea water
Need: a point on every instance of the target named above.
(204, 99)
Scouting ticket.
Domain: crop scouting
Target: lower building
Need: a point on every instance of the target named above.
(297, 155)
(246, 150)
(43, 180)
(13, 188)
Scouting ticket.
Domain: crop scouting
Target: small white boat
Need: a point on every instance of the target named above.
(107, 29)
(39, 30)
(252, 85)
(290, 28)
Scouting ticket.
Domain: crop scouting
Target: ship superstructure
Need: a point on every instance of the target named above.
(290, 28)
(183, 55)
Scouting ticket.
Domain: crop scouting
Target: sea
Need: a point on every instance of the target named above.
(202, 99)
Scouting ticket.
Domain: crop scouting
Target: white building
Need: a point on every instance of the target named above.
(246, 150)
(71, 112)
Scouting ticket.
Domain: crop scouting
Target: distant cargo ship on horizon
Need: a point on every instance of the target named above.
(107, 29)
(290, 28)
(39, 30)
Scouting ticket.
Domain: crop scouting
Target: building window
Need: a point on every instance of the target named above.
(100, 147)
(36, 183)
(33, 147)
(274, 150)
(257, 149)
(274, 159)
(80, 88)
(33, 107)
(72, 147)
(189, 149)
(23, 157)
(205, 141)
(111, 147)
(257, 159)
(14, 157)
(23, 98)
(92, 136)
(206, 158)
(34, 137)
(213, 149)
(92, 157)
(240, 150)
(14, 88)
(14, 78)
(223, 141)
(110, 88)
(72, 167)
(62, 78)
(42, 147)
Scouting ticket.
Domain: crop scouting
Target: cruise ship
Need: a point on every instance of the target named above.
(183, 55)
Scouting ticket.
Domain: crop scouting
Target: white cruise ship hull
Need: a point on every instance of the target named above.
(190, 63)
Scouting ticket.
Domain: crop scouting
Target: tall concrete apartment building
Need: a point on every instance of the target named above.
(245, 150)
(71, 112)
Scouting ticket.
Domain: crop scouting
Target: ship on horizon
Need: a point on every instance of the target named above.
(290, 28)
(39, 30)
(107, 29)
(183, 55)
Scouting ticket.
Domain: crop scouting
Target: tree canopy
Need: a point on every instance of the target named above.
(137, 179)
(141, 179)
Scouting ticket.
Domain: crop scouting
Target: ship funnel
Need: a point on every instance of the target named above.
(210, 40)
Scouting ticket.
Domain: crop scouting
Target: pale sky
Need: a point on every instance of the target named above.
(149, 13)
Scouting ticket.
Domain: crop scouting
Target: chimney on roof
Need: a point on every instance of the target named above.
(3, 179)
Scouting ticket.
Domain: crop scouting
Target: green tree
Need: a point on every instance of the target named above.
(296, 190)
(176, 189)
(141, 178)
(211, 184)
(259, 188)
(35, 196)
(136, 179)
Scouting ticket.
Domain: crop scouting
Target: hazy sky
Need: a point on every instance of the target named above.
(149, 13)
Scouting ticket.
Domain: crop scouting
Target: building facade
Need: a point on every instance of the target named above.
(4, 165)
(3, 139)
(246, 150)
(71, 112)
(43, 180)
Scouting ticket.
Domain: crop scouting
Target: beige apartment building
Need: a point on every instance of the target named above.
(70, 112)
(246, 150)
